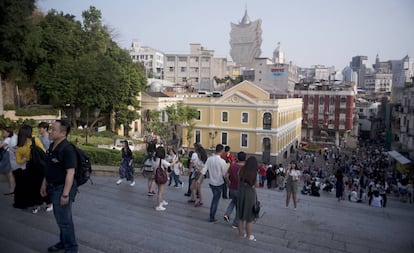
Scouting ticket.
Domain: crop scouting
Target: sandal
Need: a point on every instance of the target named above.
(198, 204)
(252, 238)
(191, 201)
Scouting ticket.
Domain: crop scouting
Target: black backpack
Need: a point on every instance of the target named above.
(83, 170)
(37, 159)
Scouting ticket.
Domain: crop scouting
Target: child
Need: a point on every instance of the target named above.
(177, 169)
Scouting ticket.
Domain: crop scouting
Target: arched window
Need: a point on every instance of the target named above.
(267, 121)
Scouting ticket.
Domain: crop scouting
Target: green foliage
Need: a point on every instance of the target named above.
(9, 107)
(109, 157)
(312, 147)
(34, 112)
(15, 125)
(6, 122)
(15, 26)
(106, 134)
(69, 62)
(229, 80)
(178, 116)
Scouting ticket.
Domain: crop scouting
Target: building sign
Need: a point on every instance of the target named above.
(101, 129)
(278, 72)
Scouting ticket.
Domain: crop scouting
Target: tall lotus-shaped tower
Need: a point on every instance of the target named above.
(245, 41)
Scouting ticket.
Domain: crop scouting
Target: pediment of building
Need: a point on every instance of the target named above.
(237, 98)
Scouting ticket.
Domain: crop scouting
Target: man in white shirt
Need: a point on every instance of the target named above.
(217, 170)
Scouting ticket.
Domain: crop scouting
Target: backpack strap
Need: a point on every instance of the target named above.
(33, 142)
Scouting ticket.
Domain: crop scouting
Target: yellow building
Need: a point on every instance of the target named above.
(244, 118)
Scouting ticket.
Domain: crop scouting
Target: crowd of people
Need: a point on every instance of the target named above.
(41, 171)
(364, 175)
(228, 178)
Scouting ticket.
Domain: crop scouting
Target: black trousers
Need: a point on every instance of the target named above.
(224, 191)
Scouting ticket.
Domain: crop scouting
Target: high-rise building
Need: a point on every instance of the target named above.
(402, 71)
(245, 41)
(358, 65)
(378, 80)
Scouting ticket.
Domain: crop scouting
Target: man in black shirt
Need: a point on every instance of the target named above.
(60, 184)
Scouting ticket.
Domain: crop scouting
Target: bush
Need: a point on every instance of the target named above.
(107, 134)
(9, 107)
(36, 112)
(109, 157)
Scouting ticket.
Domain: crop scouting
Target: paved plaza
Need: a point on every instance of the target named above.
(111, 218)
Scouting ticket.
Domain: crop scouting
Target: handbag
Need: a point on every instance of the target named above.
(256, 208)
(160, 175)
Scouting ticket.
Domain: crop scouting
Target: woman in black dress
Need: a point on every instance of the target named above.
(339, 184)
(247, 197)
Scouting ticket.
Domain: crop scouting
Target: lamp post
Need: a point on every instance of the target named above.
(212, 136)
(77, 114)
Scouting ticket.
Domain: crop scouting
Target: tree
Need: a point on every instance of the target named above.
(15, 26)
(86, 69)
(179, 116)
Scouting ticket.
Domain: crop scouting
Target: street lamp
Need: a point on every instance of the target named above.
(77, 114)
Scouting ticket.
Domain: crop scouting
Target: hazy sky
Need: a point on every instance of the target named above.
(311, 32)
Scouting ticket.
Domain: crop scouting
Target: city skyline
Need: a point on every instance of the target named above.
(317, 32)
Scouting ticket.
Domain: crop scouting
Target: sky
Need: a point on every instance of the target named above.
(311, 32)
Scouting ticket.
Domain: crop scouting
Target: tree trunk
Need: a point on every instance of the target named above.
(112, 121)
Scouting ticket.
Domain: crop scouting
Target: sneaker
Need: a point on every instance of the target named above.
(119, 181)
(132, 183)
(49, 209)
(182, 185)
(176, 187)
(187, 194)
(191, 201)
(252, 238)
(213, 220)
(226, 218)
(36, 209)
(235, 226)
(160, 208)
(164, 203)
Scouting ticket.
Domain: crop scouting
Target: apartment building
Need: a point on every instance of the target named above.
(152, 59)
(277, 78)
(196, 69)
(328, 112)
